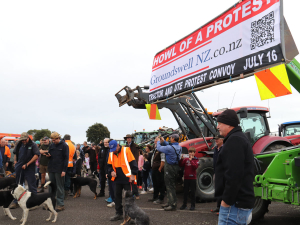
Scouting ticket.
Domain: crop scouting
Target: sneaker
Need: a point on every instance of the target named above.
(151, 190)
(158, 201)
(110, 205)
(116, 217)
(14, 205)
(143, 192)
(192, 208)
(109, 200)
(183, 207)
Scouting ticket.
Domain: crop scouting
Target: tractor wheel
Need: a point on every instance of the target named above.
(205, 190)
(260, 209)
(274, 147)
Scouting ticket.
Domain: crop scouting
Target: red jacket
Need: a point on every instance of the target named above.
(190, 168)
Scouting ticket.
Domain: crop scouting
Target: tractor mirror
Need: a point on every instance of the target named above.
(243, 112)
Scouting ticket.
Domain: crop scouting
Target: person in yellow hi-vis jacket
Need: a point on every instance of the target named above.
(122, 168)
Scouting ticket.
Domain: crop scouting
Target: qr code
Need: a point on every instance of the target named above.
(262, 31)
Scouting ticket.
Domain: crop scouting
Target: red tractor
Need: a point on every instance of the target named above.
(291, 131)
(199, 127)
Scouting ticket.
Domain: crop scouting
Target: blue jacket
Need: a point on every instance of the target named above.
(171, 157)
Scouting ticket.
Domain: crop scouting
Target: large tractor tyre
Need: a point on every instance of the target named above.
(260, 209)
(274, 147)
(205, 189)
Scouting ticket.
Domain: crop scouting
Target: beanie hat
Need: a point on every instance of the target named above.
(229, 117)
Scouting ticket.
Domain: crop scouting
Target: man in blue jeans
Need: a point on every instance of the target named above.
(234, 172)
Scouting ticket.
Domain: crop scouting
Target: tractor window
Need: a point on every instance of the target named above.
(255, 125)
(292, 130)
(138, 138)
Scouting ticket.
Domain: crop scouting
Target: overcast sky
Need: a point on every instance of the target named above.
(61, 63)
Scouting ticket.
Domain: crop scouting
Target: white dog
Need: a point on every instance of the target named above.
(29, 200)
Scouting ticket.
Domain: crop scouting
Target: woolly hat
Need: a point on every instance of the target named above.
(229, 117)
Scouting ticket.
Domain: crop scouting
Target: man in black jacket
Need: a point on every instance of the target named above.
(57, 167)
(26, 153)
(102, 160)
(234, 172)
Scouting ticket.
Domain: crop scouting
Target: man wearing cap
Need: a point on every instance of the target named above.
(136, 153)
(122, 168)
(234, 172)
(26, 153)
(5, 153)
(57, 167)
(44, 162)
(219, 144)
(173, 154)
(72, 158)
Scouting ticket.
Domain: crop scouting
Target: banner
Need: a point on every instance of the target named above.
(245, 38)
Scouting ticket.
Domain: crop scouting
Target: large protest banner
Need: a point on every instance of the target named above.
(246, 37)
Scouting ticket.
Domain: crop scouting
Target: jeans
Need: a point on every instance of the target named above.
(149, 180)
(68, 178)
(59, 181)
(233, 215)
(111, 186)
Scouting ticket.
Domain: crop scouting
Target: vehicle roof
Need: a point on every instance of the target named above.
(249, 108)
(292, 122)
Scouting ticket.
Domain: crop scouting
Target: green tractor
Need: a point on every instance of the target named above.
(277, 179)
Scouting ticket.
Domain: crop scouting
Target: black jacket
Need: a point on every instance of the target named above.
(216, 154)
(103, 156)
(59, 159)
(92, 153)
(31, 150)
(235, 171)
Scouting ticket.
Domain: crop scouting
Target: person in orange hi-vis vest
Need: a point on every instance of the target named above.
(122, 169)
(72, 158)
(5, 153)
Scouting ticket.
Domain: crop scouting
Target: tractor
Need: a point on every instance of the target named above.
(291, 131)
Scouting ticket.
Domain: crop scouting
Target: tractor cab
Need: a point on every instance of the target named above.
(289, 128)
(253, 121)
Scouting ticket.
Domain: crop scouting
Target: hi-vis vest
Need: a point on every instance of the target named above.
(72, 150)
(122, 160)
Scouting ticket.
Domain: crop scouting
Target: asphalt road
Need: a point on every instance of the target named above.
(85, 210)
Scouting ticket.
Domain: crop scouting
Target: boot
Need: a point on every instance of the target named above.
(42, 189)
(66, 195)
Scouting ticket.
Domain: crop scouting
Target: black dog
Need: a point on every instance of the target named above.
(7, 182)
(5, 199)
(82, 181)
(133, 211)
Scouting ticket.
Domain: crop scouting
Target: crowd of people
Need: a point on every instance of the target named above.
(130, 168)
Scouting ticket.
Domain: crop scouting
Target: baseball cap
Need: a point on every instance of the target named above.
(175, 136)
(45, 138)
(24, 136)
(113, 145)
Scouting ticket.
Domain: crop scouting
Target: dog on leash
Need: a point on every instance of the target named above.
(5, 199)
(132, 211)
(82, 181)
(28, 200)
